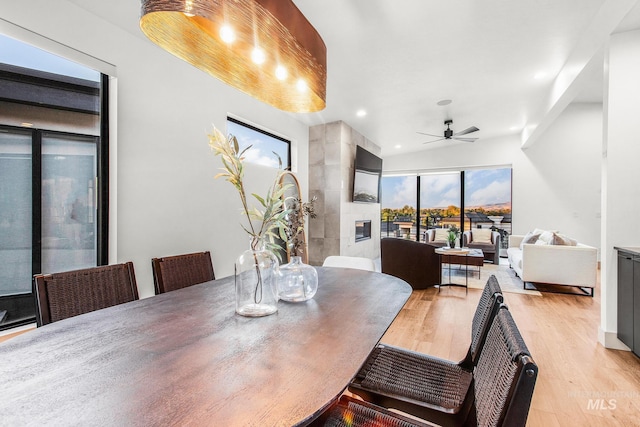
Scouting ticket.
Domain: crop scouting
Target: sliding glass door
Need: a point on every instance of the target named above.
(475, 198)
(48, 212)
(68, 200)
(54, 171)
(16, 163)
(488, 201)
(399, 206)
(440, 199)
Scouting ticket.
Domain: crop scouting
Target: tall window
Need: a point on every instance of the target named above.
(440, 199)
(266, 149)
(399, 206)
(53, 172)
(414, 203)
(487, 201)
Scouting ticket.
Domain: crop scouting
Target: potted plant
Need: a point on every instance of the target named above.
(298, 281)
(452, 235)
(256, 270)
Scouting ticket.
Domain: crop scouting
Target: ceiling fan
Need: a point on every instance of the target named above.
(449, 134)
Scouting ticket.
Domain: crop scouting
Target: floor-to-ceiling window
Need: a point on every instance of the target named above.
(399, 204)
(487, 202)
(465, 198)
(440, 199)
(53, 172)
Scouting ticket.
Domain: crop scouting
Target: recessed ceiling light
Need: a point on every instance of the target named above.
(361, 113)
(540, 75)
(398, 146)
(444, 102)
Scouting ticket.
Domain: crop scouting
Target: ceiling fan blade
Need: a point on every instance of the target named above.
(466, 131)
(429, 134)
(435, 140)
(465, 139)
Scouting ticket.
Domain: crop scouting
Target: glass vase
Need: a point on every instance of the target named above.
(256, 273)
(297, 281)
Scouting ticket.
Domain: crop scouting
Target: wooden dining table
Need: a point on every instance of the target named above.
(185, 357)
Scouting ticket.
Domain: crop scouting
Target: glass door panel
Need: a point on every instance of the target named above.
(69, 232)
(15, 213)
(440, 200)
(487, 201)
(398, 206)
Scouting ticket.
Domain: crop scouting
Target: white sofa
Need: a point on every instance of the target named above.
(554, 264)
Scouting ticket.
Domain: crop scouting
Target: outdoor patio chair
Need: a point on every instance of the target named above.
(68, 294)
(423, 385)
(179, 271)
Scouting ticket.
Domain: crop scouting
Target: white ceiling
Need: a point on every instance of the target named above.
(397, 59)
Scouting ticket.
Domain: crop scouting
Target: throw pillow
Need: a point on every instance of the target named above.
(441, 235)
(530, 238)
(545, 238)
(562, 240)
(481, 235)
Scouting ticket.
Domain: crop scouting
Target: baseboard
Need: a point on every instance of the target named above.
(610, 340)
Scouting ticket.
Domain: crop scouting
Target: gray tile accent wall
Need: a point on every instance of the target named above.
(332, 149)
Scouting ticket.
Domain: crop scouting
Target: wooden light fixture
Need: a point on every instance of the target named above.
(265, 48)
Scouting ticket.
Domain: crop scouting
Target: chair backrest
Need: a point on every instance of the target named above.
(358, 263)
(70, 293)
(414, 262)
(504, 377)
(486, 310)
(467, 237)
(179, 271)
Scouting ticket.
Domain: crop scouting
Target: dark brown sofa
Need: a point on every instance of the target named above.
(414, 262)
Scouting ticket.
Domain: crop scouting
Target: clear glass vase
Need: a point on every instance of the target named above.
(256, 274)
(297, 281)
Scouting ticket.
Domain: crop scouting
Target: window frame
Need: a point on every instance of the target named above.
(285, 165)
(27, 299)
(462, 184)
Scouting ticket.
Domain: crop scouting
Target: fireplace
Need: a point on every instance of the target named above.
(363, 230)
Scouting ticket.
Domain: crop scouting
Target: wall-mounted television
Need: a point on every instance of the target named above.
(366, 179)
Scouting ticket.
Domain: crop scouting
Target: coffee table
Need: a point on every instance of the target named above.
(461, 256)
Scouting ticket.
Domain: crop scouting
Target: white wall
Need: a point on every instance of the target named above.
(621, 192)
(556, 182)
(167, 200)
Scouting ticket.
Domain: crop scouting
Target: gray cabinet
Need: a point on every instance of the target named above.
(629, 298)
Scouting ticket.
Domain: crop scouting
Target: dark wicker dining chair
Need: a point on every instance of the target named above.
(504, 377)
(423, 385)
(70, 293)
(349, 412)
(179, 271)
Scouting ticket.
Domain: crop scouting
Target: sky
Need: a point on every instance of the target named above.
(262, 148)
(482, 187)
(20, 54)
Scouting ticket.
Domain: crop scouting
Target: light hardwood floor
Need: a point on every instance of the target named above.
(580, 383)
(13, 334)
